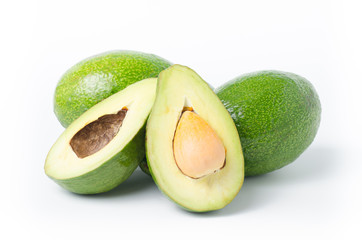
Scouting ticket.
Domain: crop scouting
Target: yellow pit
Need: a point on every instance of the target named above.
(198, 150)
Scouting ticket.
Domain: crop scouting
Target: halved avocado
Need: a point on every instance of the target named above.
(103, 147)
(193, 148)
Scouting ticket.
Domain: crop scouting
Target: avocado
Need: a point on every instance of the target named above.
(96, 78)
(144, 167)
(277, 115)
(102, 148)
(143, 164)
(192, 145)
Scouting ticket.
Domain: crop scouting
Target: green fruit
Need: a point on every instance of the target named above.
(144, 167)
(192, 145)
(143, 164)
(277, 115)
(102, 148)
(96, 78)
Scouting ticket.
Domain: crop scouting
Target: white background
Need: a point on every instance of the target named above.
(318, 196)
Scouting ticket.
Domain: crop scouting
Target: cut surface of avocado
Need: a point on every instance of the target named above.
(193, 148)
(104, 145)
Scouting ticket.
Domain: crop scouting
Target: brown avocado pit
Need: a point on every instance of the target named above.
(97, 134)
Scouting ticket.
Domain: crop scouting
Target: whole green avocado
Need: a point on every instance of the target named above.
(277, 115)
(96, 78)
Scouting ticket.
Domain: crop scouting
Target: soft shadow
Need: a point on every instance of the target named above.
(137, 182)
(258, 191)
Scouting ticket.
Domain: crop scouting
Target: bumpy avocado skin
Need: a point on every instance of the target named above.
(112, 173)
(96, 78)
(277, 115)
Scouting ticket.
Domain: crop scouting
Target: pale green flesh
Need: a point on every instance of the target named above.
(179, 86)
(93, 174)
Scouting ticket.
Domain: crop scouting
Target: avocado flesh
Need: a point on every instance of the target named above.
(179, 87)
(109, 166)
(277, 115)
(98, 77)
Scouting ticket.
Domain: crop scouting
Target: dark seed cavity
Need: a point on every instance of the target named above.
(97, 134)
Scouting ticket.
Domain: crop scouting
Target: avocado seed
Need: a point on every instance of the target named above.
(97, 134)
(198, 150)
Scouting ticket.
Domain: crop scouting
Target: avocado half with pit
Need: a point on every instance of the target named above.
(193, 148)
(103, 147)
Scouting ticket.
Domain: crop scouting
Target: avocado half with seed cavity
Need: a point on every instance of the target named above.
(193, 148)
(103, 147)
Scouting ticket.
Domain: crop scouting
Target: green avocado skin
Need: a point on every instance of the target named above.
(144, 167)
(96, 78)
(111, 173)
(277, 115)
